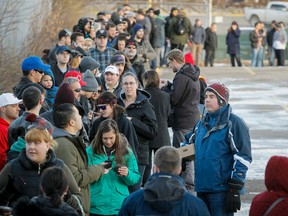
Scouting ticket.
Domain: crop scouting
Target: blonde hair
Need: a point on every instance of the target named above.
(88, 44)
(39, 135)
(75, 62)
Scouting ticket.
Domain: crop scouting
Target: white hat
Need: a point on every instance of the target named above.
(112, 69)
(8, 99)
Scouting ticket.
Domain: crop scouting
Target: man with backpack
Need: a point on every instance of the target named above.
(179, 30)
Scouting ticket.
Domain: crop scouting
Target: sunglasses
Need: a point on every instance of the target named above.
(77, 90)
(39, 71)
(130, 47)
(103, 107)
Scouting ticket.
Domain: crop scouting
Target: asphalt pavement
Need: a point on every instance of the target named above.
(259, 96)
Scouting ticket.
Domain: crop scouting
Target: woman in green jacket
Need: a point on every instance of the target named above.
(111, 149)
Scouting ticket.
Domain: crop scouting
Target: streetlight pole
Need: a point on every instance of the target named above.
(209, 12)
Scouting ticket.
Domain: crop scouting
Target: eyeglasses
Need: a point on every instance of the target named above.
(129, 83)
(39, 71)
(130, 47)
(103, 107)
(168, 62)
(77, 90)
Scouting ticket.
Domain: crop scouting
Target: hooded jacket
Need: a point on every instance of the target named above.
(184, 97)
(276, 183)
(72, 151)
(50, 93)
(222, 150)
(179, 39)
(21, 177)
(108, 193)
(144, 122)
(41, 205)
(163, 194)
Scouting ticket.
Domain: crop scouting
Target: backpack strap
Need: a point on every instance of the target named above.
(276, 202)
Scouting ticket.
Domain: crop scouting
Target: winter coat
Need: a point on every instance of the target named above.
(161, 103)
(211, 40)
(41, 206)
(148, 53)
(21, 122)
(3, 141)
(58, 74)
(138, 67)
(276, 184)
(270, 36)
(108, 193)
(179, 39)
(50, 93)
(21, 177)
(19, 88)
(253, 37)
(222, 150)
(72, 151)
(144, 122)
(184, 97)
(198, 35)
(232, 41)
(125, 127)
(158, 32)
(163, 194)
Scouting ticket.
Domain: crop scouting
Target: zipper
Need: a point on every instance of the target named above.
(39, 169)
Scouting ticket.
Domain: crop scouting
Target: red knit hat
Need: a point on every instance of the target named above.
(77, 75)
(189, 58)
(220, 90)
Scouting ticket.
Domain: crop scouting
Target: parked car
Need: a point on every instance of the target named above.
(274, 11)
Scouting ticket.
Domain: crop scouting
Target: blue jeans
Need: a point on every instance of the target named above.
(215, 203)
(271, 56)
(257, 54)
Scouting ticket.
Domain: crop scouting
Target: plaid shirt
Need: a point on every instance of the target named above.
(103, 58)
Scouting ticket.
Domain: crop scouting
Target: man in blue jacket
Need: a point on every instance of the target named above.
(222, 153)
(165, 192)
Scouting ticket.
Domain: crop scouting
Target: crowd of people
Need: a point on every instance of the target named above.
(82, 125)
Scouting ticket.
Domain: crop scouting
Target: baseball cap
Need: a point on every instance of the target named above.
(8, 99)
(112, 69)
(101, 32)
(117, 22)
(117, 59)
(64, 33)
(77, 75)
(61, 49)
(131, 42)
(34, 62)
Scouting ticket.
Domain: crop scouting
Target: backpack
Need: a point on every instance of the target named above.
(179, 27)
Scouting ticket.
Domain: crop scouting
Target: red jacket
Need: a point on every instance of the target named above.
(276, 178)
(3, 141)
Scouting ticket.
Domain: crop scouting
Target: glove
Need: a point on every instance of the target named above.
(233, 201)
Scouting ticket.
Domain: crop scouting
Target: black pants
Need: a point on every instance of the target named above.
(147, 172)
(280, 56)
(237, 57)
(209, 57)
